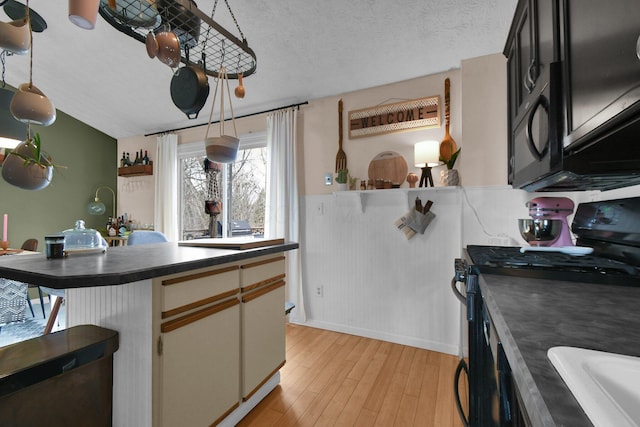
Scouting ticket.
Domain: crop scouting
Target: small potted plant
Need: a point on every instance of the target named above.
(341, 178)
(27, 166)
(449, 176)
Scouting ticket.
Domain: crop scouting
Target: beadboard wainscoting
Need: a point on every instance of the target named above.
(362, 276)
(126, 309)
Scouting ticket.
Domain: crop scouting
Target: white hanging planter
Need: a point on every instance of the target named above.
(30, 105)
(222, 148)
(25, 175)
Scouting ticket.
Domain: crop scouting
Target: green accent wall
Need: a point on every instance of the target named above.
(90, 157)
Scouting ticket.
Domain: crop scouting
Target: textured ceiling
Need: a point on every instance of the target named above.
(305, 50)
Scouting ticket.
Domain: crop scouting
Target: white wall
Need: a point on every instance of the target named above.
(373, 281)
(483, 161)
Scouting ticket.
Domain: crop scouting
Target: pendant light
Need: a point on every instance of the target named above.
(11, 131)
(84, 13)
(29, 104)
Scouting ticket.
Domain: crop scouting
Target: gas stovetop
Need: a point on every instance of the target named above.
(552, 265)
(610, 227)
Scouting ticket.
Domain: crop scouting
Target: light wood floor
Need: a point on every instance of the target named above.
(334, 379)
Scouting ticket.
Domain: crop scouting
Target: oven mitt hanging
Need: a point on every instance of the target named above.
(401, 225)
(418, 221)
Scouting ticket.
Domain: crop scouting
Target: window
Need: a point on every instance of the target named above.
(241, 185)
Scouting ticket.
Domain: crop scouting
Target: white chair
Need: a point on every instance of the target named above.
(141, 237)
(59, 295)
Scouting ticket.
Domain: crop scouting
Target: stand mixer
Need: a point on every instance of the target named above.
(553, 208)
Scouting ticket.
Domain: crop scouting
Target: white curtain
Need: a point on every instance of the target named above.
(282, 214)
(166, 180)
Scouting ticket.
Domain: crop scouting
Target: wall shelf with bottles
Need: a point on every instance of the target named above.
(135, 170)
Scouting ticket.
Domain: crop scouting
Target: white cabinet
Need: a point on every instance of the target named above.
(220, 338)
(198, 348)
(263, 321)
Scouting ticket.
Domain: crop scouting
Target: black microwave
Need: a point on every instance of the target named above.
(581, 129)
(539, 160)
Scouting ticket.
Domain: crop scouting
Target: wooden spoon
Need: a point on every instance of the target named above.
(448, 145)
(240, 89)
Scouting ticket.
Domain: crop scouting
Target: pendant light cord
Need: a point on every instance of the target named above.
(30, 47)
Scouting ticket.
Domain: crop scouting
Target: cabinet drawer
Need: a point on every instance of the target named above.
(260, 272)
(185, 293)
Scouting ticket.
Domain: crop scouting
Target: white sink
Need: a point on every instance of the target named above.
(606, 385)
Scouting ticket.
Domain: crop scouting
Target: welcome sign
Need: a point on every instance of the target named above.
(398, 117)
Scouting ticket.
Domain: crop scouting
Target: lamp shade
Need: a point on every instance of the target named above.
(12, 132)
(426, 153)
(84, 13)
(96, 208)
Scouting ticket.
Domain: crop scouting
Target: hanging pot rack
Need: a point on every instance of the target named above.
(201, 38)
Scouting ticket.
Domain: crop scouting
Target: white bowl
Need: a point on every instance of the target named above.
(30, 105)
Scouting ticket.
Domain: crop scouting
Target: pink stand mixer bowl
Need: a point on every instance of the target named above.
(553, 208)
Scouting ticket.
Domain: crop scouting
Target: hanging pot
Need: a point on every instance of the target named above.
(184, 23)
(151, 44)
(31, 176)
(168, 47)
(190, 89)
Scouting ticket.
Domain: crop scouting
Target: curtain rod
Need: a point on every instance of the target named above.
(239, 117)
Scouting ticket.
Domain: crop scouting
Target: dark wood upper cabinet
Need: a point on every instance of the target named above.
(574, 95)
(529, 50)
(599, 52)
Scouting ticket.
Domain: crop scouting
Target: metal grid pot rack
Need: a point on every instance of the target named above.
(203, 41)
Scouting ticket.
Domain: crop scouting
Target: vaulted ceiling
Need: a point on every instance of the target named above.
(305, 50)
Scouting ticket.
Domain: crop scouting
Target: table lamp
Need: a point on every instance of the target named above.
(426, 155)
(98, 208)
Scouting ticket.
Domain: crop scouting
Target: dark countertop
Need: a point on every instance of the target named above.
(533, 315)
(122, 264)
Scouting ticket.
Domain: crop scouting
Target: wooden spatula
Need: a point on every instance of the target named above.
(448, 145)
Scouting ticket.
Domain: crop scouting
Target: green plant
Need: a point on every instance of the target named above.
(452, 160)
(342, 176)
(36, 156)
(352, 182)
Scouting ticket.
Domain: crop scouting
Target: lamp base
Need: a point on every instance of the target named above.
(426, 176)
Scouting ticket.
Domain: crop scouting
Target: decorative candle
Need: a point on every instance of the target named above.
(4, 228)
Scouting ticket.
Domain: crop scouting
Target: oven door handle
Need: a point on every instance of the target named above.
(462, 366)
(456, 292)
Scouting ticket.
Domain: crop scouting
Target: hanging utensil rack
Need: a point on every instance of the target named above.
(205, 43)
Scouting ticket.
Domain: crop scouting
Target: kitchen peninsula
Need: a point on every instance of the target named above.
(201, 329)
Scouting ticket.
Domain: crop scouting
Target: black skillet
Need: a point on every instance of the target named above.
(190, 88)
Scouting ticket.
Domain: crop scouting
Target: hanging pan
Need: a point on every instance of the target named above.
(223, 148)
(190, 88)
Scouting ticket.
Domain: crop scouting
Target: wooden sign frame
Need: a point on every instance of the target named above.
(422, 113)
